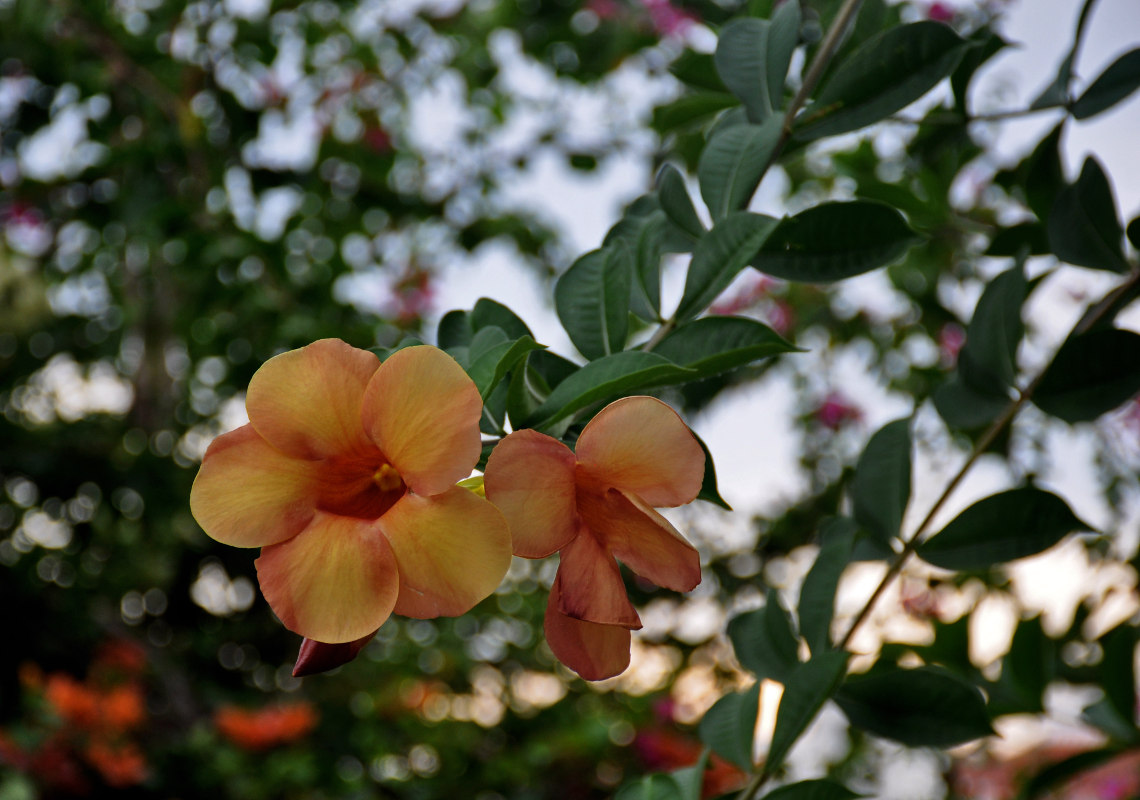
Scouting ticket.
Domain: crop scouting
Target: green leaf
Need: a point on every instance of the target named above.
(833, 241)
(1026, 671)
(1044, 175)
(712, 345)
(733, 163)
(592, 301)
(719, 256)
(817, 594)
(728, 727)
(647, 248)
(1029, 238)
(605, 379)
(1000, 528)
(690, 109)
(987, 44)
(808, 687)
(885, 74)
(1117, 670)
(1133, 233)
(764, 641)
(1091, 374)
(690, 780)
(880, 489)
(488, 369)
(987, 362)
(923, 707)
(697, 70)
(531, 385)
(676, 203)
(742, 62)
(821, 789)
(1103, 716)
(1121, 79)
(1057, 92)
(709, 492)
(964, 408)
(783, 38)
(454, 330)
(651, 787)
(487, 313)
(1083, 227)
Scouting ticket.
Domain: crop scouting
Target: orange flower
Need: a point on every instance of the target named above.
(596, 504)
(121, 765)
(345, 476)
(266, 727)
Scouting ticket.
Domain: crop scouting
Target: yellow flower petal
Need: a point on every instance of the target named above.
(594, 651)
(247, 494)
(306, 402)
(640, 445)
(592, 587)
(336, 581)
(644, 541)
(530, 477)
(453, 549)
(423, 411)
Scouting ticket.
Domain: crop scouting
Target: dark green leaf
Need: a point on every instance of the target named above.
(821, 789)
(817, 595)
(697, 70)
(880, 489)
(1057, 92)
(1000, 528)
(489, 368)
(1133, 233)
(1091, 374)
(885, 74)
(487, 313)
(690, 109)
(709, 492)
(690, 780)
(1083, 226)
(987, 362)
(783, 37)
(1104, 716)
(676, 203)
(742, 62)
(1117, 670)
(1026, 671)
(531, 385)
(764, 641)
(923, 707)
(728, 727)
(964, 408)
(1044, 175)
(605, 379)
(1029, 238)
(833, 241)
(454, 330)
(719, 256)
(712, 345)
(987, 44)
(732, 164)
(646, 296)
(592, 301)
(651, 787)
(1121, 79)
(808, 687)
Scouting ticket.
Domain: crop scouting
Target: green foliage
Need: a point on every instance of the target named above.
(728, 726)
(1000, 528)
(921, 707)
(1083, 226)
(1092, 373)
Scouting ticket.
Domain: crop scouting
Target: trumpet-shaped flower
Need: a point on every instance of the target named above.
(345, 477)
(596, 505)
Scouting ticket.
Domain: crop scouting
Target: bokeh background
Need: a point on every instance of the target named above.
(187, 189)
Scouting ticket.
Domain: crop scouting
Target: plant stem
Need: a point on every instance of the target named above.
(1094, 314)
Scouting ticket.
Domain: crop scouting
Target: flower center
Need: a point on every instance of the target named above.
(387, 478)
